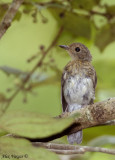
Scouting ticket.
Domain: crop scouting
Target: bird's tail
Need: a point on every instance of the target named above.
(75, 137)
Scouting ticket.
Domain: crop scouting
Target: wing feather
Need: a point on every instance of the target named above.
(63, 101)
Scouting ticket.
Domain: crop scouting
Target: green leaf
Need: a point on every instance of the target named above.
(2, 97)
(105, 36)
(3, 9)
(76, 24)
(27, 8)
(2, 133)
(23, 149)
(102, 140)
(110, 9)
(87, 4)
(17, 16)
(42, 1)
(9, 70)
(104, 81)
(35, 77)
(48, 81)
(32, 125)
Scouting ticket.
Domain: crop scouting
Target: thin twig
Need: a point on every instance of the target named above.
(67, 149)
(10, 14)
(68, 152)
(38, 64)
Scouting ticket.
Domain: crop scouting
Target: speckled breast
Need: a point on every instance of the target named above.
(78, 90)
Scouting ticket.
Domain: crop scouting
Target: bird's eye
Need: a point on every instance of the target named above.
(77, 49)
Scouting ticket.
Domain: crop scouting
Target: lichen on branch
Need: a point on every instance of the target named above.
(93, 115)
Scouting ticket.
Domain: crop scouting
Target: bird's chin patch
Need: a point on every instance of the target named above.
(74, 57)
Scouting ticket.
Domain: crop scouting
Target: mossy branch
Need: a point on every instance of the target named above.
(100, 113)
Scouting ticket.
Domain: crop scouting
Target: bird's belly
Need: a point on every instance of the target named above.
(78, 90)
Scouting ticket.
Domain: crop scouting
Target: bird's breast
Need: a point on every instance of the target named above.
(78, 90)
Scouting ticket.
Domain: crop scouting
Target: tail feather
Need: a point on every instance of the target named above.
(75, 137)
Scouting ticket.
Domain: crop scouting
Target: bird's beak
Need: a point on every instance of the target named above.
(64, 46)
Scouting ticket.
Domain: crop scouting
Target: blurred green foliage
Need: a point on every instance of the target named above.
(91, 22)
(32, 125)
(21, 149)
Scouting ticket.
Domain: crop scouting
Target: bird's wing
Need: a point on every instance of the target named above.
(93, 76)
(90, 72)
(63, 101)
(95, 80)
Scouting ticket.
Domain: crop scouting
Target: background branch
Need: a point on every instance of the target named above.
(10, 14)
(72, 149)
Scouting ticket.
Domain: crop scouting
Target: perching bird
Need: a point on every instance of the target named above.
(78, 83)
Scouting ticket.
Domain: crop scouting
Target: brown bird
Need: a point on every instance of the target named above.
(78, 83)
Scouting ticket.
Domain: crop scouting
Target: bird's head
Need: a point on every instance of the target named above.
(78, 51)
